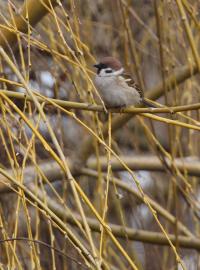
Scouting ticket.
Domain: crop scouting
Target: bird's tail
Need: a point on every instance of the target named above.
(148, 103)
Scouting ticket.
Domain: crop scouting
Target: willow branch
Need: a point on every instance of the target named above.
(157, 207)
(60, 224)
(52, 171)
(44, 244)
(155, 238)
(149, 163)
(98, 108)
(189, 33)
(173, 80)
(36, 10)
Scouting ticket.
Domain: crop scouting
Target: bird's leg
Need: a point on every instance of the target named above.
(120, 107)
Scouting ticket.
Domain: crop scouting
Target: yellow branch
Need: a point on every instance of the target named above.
(35, 10)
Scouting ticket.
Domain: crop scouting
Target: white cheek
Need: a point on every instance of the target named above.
(100, 73)
(103, 73)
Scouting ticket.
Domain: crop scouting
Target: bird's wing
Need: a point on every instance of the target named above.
(127, 78)
(131, 83)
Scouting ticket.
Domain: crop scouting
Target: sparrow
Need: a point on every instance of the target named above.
(117, 88)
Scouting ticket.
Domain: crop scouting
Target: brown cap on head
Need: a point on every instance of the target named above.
(111, 62)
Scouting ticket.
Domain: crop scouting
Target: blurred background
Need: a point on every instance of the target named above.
(81, 188)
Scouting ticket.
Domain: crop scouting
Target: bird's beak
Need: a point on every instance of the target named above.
(97, 66)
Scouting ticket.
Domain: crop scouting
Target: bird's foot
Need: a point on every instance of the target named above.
(117, 107)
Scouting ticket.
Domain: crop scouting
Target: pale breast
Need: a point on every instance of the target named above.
(115, 92)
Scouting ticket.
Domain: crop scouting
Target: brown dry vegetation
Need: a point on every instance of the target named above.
(85, 189)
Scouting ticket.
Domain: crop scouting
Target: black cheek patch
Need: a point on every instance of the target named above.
(109, 71)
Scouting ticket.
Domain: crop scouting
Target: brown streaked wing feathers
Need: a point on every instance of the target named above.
(130, 81)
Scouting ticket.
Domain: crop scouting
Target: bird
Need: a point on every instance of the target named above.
(116, 87)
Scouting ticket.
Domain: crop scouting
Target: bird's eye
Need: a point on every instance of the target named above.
(108, 70)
